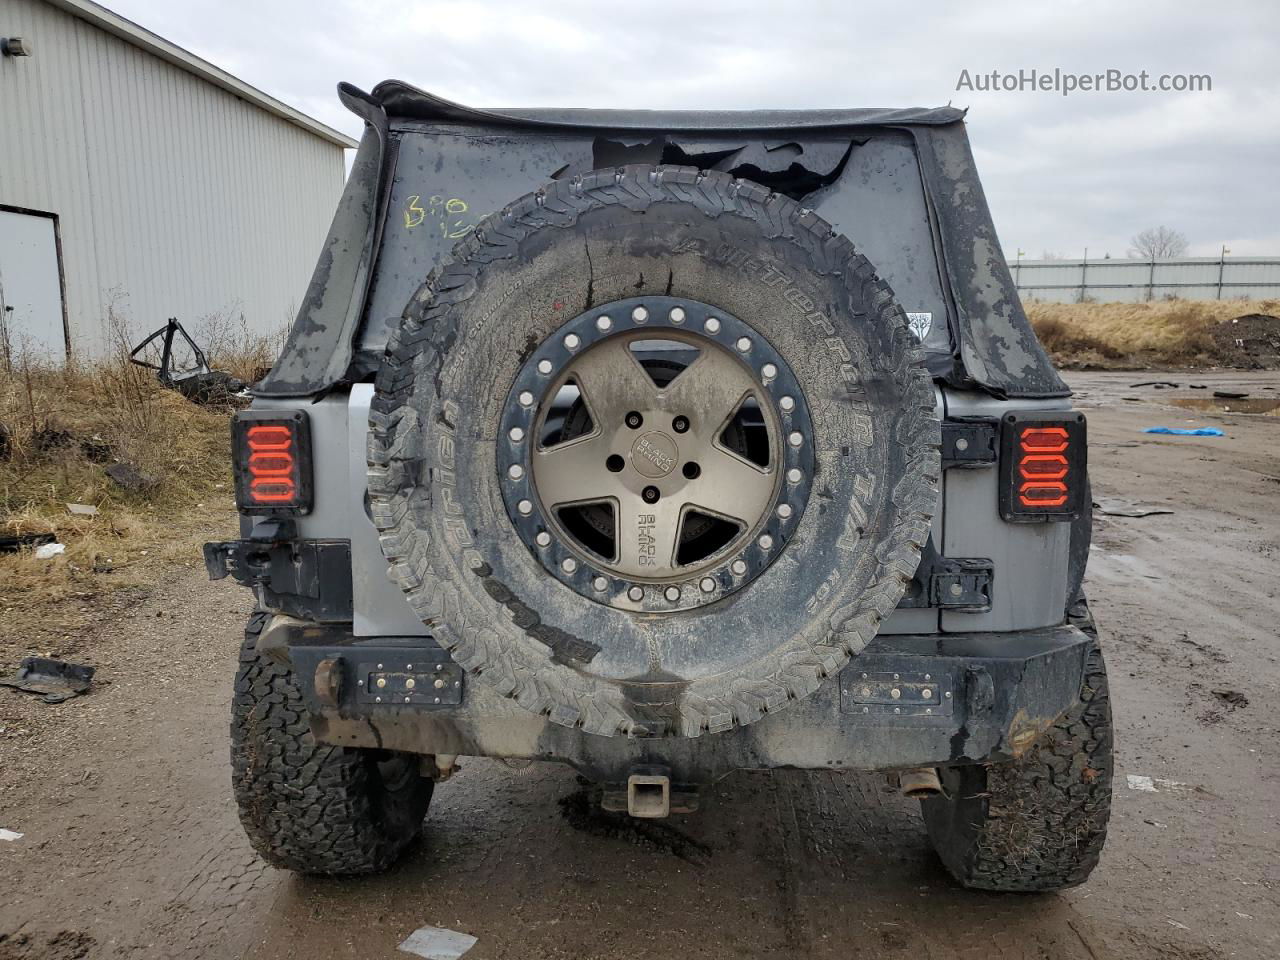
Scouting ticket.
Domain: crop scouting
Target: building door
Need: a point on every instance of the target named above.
(32, 321)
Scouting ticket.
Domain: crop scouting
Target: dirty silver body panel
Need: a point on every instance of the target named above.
(1030, 560)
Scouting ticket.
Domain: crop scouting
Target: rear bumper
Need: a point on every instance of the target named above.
(906, 701)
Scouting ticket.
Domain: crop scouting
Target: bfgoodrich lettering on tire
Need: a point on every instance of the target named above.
(725, 600)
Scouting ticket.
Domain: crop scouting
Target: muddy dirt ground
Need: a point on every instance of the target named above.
(131, 847)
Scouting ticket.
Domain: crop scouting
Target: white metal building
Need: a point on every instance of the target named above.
(136, 176)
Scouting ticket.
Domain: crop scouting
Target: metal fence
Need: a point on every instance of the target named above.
(1189, 278)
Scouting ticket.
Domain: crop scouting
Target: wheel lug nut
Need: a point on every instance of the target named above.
(526, 398)
(784, 510)
(543, 539)
(672, 594)
(769, 371)
(680, 424)
(743, 344)
(603, 324)
(676, 315)
(739, 567)
(712, 326)
(525, 507)
(568, 564)
(794, 475)
(766, 542)
(650, 494)
(633, 420)
(787, 404)
(572, 341)
(544, 366)
(516, 434)
(515, 471)
(707, 585)
(635, 594)
(795, 439)
(640, 315)
(600, 583)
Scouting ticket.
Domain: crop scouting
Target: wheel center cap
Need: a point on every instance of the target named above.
(654, 455)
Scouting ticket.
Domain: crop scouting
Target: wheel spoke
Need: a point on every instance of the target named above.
(647, 534)
(612, 381)
(731, 486)
(709, 391)
(574, 471)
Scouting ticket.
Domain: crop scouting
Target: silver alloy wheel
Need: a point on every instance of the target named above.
(655, 454)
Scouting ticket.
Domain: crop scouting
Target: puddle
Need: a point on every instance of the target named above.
(1264, 405)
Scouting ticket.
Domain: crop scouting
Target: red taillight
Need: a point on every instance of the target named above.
(1042, 466)
(273, 461)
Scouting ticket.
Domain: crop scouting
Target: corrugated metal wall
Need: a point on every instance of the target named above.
(173, 196)
(1104, 281)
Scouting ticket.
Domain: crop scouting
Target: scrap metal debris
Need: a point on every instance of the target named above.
(12, 544)
(181, 365)
(9, 834)
(1229, 395)
(55, 680)
(1115, 507)
(437, 943)
(1158, 384)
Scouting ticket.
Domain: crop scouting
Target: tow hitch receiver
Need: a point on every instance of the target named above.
(649, 795)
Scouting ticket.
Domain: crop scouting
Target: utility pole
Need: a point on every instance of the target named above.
(1222, 263)
(1084, 269)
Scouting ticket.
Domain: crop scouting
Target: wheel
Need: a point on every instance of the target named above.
(1037, 823)
(655, 454)
(309, 807)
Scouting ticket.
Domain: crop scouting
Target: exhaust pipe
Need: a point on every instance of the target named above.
(920, 783)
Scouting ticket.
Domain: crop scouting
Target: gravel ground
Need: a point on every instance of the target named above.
(131, 846)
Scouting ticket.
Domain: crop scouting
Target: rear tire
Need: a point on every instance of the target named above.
(1037, 823)
(307, 806)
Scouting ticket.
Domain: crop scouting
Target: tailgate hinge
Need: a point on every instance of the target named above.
(967, 444)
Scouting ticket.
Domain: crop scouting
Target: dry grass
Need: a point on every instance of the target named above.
(67, 426)
(1162, 333)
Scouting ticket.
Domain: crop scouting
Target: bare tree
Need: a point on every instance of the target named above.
(1156, 243)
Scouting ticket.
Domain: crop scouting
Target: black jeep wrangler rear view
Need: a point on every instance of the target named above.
(665, 445)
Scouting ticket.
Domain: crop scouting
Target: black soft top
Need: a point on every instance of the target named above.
(400, 100)
(938, 247)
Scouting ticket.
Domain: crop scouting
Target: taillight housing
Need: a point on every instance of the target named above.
(1043, 466)
(272, 454)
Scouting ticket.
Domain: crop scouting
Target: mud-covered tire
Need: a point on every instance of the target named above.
(1037, 823)
(306, 806)
(527, 271)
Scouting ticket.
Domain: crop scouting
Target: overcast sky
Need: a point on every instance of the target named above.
(1061, 173)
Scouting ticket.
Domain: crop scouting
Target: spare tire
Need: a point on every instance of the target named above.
(712, 366)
